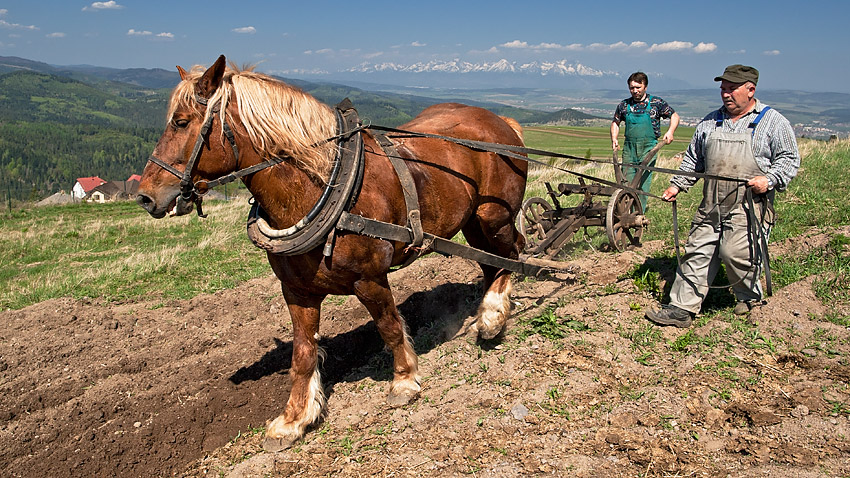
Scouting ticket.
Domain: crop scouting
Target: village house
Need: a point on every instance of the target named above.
(84, 186)
(99, 190)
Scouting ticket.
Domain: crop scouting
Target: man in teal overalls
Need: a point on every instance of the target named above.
(642, 114)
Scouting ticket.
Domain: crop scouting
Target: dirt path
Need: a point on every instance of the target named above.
(182, 388)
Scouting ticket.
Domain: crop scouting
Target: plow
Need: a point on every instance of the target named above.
(548, 226)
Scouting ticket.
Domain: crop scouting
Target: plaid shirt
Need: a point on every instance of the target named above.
(774, 146)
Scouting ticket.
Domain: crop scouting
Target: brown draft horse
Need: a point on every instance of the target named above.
(458, 189)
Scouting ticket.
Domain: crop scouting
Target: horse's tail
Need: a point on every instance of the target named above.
(515, 126)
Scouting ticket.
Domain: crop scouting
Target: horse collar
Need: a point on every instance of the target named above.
(339, 196)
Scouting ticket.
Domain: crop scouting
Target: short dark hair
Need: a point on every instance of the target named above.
(639, 77)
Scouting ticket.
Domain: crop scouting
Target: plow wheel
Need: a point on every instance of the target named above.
(533, 221)
(624, 220)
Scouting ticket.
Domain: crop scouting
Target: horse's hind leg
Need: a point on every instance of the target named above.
(492, 230)
(306, 399)
(377, 297)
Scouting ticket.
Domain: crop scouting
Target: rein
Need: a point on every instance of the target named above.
(330, 211)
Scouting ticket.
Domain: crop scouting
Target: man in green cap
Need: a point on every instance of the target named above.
(753, 148)
(642, 114)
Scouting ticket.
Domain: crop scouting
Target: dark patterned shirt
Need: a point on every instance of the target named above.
(658, 109)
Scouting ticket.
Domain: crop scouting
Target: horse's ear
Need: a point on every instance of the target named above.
(211, 79)
(183, 74)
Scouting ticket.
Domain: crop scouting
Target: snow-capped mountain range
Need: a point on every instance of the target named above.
(561, 68)
(457, 73)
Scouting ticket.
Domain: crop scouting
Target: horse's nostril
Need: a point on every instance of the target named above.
(146, 202)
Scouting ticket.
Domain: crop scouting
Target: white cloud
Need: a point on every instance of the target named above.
(620, 46)
(670, 46)
(705, 47)
(772, 52)
(56, 35)
(418, 44)
(98, 6)
(13, 26)
(249, 30)
(145, 33)
(491, 51)
(515, 44)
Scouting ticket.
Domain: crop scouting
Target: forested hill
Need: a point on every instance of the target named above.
(54, 129)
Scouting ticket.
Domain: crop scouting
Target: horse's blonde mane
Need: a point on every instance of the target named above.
(281, 120)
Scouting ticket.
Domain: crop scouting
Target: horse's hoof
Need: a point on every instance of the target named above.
(488, 334)
(401, 398)
(273, 445)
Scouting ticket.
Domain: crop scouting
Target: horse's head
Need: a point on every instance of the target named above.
(189, 153)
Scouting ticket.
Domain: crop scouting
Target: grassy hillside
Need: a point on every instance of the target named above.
(35, 97)
(54, 129)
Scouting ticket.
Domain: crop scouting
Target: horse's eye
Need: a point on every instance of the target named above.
(181, 123)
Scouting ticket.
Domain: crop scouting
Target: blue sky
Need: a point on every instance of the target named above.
(795, 45)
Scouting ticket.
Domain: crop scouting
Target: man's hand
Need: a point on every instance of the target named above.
(670, 194)
(615, 145)
(668, 137)
(760, 184)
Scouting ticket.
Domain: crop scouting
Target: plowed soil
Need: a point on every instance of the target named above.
(183, 388)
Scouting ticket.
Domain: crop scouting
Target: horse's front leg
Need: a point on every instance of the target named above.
(377, 297)
(307, 398)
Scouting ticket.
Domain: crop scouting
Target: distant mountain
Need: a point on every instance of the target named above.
(561, 68)
(12, 63)
(28, 96)
(502, 73)
(392, 109)
(155, 78)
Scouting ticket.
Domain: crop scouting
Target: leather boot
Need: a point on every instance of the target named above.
(671, 315)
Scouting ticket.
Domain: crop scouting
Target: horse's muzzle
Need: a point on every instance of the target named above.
(177, 206)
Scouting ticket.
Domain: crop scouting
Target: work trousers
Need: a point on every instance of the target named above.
(708, 245)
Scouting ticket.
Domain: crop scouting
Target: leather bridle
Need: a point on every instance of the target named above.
(190, 191)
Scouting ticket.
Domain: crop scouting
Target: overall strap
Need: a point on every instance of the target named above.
(719, 121)
(757, 120)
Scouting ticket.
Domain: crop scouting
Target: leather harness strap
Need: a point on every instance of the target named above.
(411, 198)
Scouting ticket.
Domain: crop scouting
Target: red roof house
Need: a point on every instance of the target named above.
(84, 186)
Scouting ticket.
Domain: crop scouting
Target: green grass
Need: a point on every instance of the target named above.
(115, 251)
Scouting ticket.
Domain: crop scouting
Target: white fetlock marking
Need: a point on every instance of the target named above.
(294, 430)
(405, 390)
(493, 312)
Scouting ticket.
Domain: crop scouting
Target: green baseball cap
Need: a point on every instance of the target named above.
(739, 74)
